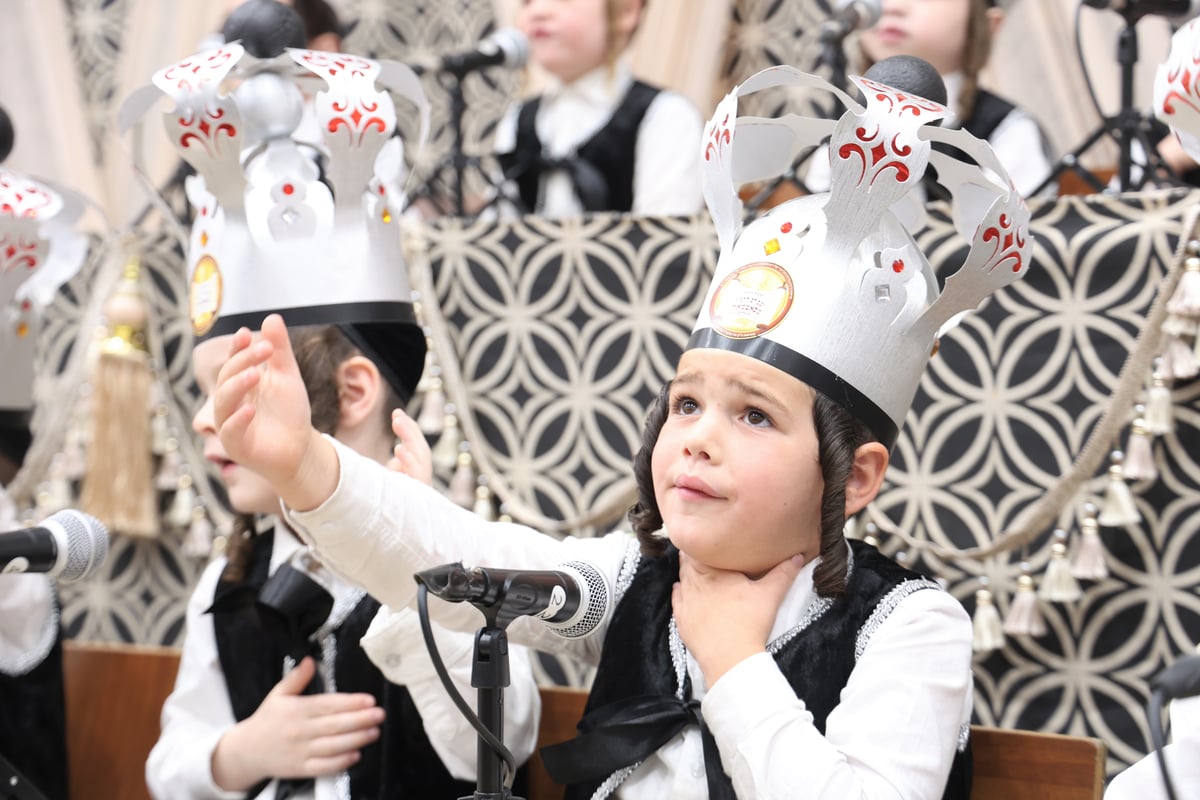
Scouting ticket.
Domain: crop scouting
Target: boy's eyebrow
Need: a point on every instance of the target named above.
(695, 378)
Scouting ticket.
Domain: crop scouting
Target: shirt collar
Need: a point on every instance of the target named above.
(600, 86)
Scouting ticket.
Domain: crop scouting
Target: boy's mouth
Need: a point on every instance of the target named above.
(693, 486)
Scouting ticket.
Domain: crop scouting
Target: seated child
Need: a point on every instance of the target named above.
(955, 36)
(752, 651)
(597, 139)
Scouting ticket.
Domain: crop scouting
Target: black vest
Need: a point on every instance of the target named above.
(989, 111)
(601, 168)
(33, 729)
(401, 763)
(816, 661)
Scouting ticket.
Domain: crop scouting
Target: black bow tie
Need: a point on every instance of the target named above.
(626, 732)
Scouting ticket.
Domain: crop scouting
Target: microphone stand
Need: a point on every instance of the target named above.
(489, 676)
(1126, 126)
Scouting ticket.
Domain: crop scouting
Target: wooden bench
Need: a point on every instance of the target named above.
(1008, 764)
(115, 693)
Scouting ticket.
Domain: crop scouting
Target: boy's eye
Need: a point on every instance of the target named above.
(756, 417)
(685, 405)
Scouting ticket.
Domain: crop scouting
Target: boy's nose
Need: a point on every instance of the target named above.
(202, 420)
(702, 439)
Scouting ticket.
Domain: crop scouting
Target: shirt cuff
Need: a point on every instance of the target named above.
(324, 524)
(744, 698)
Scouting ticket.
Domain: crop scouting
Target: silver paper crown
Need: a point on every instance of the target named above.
(307, 227)
(39, 251)
(832, 288)
(1176, 91)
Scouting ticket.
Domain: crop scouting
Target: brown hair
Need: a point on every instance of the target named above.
(320, 350)
(612, 10)
(839, 435)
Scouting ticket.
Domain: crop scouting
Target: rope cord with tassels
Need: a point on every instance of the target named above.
(1042, 515)
(417, 245)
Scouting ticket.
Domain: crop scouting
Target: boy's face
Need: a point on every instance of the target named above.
(735, 468)
(935, 30)
(567, 38)
(249, 493)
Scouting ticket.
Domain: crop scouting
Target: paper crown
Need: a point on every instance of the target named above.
(39, 251)
(303, 225)
(832, 288)
(1176, 93)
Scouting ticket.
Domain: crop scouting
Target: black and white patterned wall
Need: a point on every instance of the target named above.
(568, 329)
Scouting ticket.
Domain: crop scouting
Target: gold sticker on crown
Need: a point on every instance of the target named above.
(751, 301)
(204, 299)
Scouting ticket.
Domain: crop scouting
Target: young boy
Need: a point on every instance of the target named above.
(568, 150)
(752, 651)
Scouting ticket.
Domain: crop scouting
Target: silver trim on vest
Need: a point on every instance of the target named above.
(629, 568)
(885, 608)
(25, 661)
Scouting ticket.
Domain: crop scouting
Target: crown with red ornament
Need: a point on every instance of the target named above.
(1176, 91)
(39, 251)
(298, 193)
(832, 288)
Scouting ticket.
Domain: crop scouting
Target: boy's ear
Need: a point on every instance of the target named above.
(866, 476)
(359, 385)
(627, 19)
(995, 18)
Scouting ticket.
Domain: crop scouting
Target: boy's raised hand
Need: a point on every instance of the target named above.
(724, 617)
(262, 415)
(411, 455)
(294, 735)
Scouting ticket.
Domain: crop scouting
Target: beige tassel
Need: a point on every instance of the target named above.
(54, 494)
(852, 529)
(1179, 361)
(167, 478)
(988, 631)
(445, 452)
(462, 483)
(484, 506)
(1186, 299)
(1090, 563)
(1058, 584)
(1159, 419)
(433, 408)
(1024, 617)
(118, 487)
(1139, 456)
(198, 543)
(1119, 508)
(180, 513)
(504, 516)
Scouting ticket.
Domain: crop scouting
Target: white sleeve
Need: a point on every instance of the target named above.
(1020, 146)
(395, 645)
(197, 713)
(893, 734)
(666, 173)
(28, 622)
(380, 527)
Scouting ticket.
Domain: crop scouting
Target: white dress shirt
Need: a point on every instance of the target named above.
(1143, 780)
(892, 735)
(198, 712)
(666, 175)
(28, 622)
(1017, 141)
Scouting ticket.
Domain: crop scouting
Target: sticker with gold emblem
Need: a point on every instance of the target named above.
(204, 299)
(751, 300)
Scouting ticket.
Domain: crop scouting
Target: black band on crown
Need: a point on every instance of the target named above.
(808, 371)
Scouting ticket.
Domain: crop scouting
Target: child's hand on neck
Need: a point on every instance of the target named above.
(724, 617)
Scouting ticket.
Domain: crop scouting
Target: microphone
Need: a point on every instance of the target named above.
(66, 545)
(1133, 10)
(1181, 679)
(910, 74)
(572, 600)
(507, 47)
(849, 16)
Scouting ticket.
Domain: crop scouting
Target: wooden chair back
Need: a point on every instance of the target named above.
(1009, 764)
(1013, 764)
(114, 696)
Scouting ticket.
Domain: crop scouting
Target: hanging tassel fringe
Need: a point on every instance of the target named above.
(988, 630)
(1186, 300)
(1119, 507)
(1024, 617)
(1058, 584)
(1139, 455)
(1090, 563)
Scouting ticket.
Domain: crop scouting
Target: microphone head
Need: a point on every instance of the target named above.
(869, 11)
(86, 543)
(6, 134)
(594, 602)
(265, 28)
(910, 74)
(513, 44)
